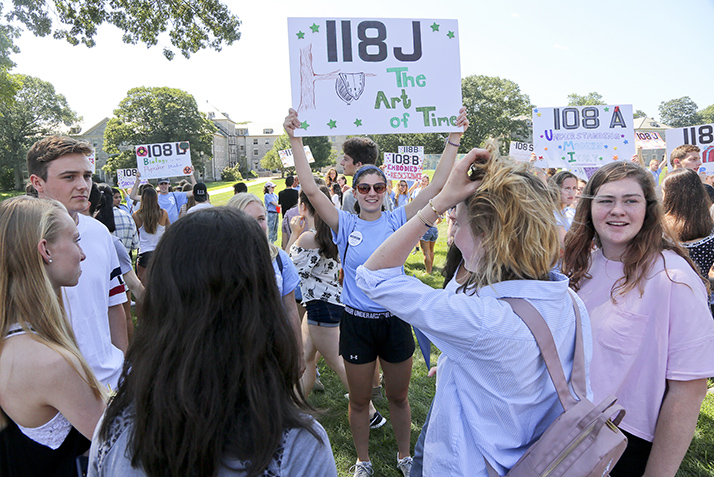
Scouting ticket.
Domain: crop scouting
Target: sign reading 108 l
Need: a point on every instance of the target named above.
(367, 75)
(583, 135)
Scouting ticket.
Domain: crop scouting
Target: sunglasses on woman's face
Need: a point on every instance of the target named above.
(378, 188)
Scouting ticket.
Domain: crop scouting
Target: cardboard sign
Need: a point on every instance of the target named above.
(583, 135)
(404, 165)
(93, 161)
(700, 136)
(127, 177)
(286, 156)
(166, 159)
(520, 151)
(380, 76)
(649, 140)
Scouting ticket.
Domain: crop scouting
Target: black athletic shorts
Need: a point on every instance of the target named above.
(362, 339)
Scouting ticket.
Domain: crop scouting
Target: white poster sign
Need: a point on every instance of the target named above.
(410, 150)
(168, 159)
(286, 156)
(520, 151)
(700, 136)
(93, 161)
(405, 165)
(583, 135)
(127, 177)
(649, 140)
(378, 76)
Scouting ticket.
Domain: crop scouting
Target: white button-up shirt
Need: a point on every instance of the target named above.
(494, 397)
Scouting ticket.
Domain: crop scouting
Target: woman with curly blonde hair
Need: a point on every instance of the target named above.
(490, 372)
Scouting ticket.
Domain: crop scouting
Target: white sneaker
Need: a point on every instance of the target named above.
(405, 465)
(364, 469)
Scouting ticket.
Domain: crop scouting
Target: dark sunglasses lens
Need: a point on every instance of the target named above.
(379, 188)
(363, 188)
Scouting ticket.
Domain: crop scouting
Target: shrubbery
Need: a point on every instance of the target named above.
(231, 174)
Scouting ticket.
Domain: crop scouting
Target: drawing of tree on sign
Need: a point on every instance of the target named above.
(308, 78)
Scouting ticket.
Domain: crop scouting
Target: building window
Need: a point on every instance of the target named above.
(242, 147)
(255, 152)
(267, 142)
(267, 131)
(255, 141)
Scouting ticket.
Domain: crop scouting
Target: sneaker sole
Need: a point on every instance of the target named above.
(379, 424)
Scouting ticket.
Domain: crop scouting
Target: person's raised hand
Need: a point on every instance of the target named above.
(297, 224)
(291, 123)
(461, 183)
(462, 120)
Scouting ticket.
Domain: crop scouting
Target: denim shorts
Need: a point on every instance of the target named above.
(431, 235)
(322, 313)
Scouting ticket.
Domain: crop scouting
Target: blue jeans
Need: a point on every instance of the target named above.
(273, 219)
(418, 458)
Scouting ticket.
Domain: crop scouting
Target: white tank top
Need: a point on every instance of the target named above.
(147, 241)
(52, 433)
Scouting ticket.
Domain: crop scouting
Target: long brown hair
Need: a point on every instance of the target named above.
(149, 212)
(644, 248)
(323, 235)
(686, 205)
(213, 370)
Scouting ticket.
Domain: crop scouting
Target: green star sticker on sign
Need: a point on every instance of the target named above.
(315, 28)
(450, 34)
(304, 125)
(358, 122)
(332, 123)
(301, 35)
(435, 27)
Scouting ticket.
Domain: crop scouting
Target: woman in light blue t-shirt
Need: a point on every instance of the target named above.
(367, 330)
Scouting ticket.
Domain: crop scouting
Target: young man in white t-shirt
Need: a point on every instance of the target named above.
(59, 169)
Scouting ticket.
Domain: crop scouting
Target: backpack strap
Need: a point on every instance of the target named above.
(280, 263)
(544, 338)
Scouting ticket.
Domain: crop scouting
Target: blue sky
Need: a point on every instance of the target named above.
(629, 51)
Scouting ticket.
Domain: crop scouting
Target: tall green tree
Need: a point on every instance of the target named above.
(271, 160)
(590, 99)
(707, 114)
(493, 105)
(639, 114)
(36, 110)
(156, 115)
(679, 113)
(321, 149)
(8, 84)
(191, 25)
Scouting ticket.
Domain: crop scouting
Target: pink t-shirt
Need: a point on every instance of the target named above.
(639, 342)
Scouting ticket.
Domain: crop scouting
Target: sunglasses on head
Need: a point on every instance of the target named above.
(378, 188)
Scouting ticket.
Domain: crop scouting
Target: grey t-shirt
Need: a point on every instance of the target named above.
(300, 454)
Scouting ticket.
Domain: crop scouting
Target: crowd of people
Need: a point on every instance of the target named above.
(213, 378)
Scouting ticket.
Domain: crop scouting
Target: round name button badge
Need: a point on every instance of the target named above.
(355, 238)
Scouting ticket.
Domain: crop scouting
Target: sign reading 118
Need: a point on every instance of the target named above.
(377, 34)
